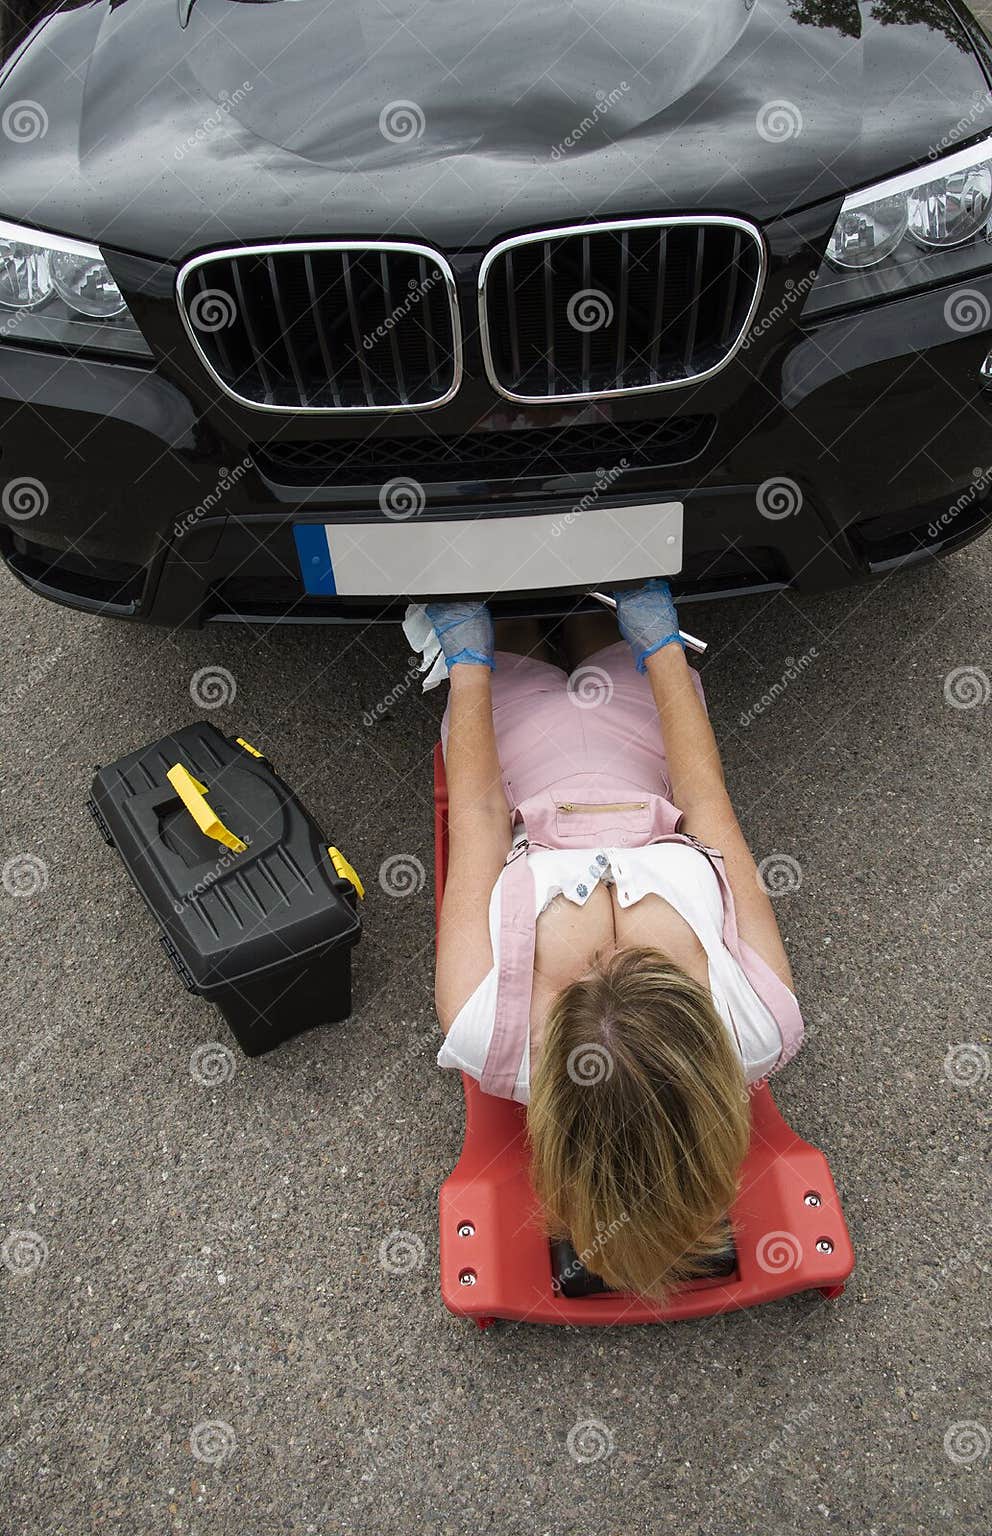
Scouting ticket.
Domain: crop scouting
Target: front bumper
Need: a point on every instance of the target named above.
(160, 501)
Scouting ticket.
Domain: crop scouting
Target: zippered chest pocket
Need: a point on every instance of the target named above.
(585, 824)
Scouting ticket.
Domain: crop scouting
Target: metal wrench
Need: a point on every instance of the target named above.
(690, 641)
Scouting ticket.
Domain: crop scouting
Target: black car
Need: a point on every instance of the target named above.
(306, 305)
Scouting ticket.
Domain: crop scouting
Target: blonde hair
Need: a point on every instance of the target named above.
(638, 1122)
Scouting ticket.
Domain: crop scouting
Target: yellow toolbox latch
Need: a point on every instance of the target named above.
(347, 871)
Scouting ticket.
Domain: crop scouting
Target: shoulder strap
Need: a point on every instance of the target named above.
(515, 981)
(780, 1002)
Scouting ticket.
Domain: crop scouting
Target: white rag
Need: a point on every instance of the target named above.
(420, 634)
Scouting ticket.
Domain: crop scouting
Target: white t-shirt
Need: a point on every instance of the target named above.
(685, 878)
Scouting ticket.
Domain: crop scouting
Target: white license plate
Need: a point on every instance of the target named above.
(417, 557)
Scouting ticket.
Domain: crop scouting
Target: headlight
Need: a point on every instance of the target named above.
(927, 226)
(62, 292)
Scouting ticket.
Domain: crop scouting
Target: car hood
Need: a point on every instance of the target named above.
(456, 123)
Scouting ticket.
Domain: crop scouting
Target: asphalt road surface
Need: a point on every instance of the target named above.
(211, 1252)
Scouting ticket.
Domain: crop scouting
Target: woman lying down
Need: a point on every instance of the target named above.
(599, 960)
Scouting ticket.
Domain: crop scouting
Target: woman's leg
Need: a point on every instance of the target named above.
(585, 633)
(623, 732)
(523, 680)
(524, 637)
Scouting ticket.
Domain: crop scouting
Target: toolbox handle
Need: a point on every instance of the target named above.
(193, 795)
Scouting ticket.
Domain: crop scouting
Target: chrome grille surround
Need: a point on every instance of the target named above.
(747, 245)
(320, 317)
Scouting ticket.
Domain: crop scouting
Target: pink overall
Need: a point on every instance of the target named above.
(583, 765)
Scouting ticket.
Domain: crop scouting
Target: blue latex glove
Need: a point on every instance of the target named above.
(465, 632)
(648, 619)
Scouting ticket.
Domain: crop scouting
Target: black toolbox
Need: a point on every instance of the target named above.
(258, 914)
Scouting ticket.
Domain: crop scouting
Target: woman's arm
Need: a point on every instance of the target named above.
(649, 624)
(479, 837)
(699, 790)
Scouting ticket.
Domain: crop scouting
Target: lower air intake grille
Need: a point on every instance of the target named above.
(542, 452)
